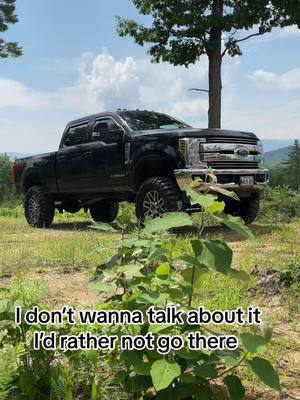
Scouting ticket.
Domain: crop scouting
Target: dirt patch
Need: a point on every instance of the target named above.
(70, 288)
(268, 284)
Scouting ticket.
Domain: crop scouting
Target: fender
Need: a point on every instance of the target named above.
(168, 150)
(30, 177)
(152, 159)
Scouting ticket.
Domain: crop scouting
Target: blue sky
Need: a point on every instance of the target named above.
(74, 64)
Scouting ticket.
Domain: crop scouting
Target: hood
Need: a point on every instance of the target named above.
(191, 132)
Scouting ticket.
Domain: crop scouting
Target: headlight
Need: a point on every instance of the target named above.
(189, 147)
(260, 145)
(261, 152)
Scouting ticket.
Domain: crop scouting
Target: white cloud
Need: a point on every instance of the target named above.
(287, 81)
(105, 83)
(16, 94)
(269, 120)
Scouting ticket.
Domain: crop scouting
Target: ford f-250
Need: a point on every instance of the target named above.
(142, 157)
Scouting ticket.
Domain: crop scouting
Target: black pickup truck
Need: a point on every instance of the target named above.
(143, 157)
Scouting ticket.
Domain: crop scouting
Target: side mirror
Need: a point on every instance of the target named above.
(119, 132)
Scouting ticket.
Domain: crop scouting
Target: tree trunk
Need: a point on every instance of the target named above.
(215, 67)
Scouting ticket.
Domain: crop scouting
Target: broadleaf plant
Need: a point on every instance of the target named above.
(168, 269)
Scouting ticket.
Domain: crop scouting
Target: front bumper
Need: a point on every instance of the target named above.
(226, 178)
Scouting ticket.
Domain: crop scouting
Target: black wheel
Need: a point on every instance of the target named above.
(104, 211)
(247, 209)
(157, 196)
(39, 207)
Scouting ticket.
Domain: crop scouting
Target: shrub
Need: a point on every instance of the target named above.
(280, 204)
(153, 269)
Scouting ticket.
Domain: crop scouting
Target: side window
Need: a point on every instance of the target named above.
(77, 135)
(105, 128)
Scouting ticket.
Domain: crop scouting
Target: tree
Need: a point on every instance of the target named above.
(293, 165)
(6, 183)
(184, 30)
(7, 17)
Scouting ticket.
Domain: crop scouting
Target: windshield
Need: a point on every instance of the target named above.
(144, 120)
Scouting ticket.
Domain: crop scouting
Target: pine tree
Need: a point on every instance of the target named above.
(7, 17)
(293, 165)
(184, 30)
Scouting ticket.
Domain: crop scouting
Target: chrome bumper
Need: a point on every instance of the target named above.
(184, 177)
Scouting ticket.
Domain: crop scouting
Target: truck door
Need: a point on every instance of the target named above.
(107, 165)
(72, 161)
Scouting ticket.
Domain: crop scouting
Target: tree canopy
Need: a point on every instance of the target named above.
(184, 30)
(6, 183)
(8, 17)
(292, 165)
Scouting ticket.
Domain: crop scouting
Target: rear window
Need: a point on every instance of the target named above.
(145, 120)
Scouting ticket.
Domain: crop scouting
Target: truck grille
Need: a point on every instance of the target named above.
(231, 153)
(233, 165)
(236, 140)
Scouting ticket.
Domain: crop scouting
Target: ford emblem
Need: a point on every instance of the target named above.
(242, 152)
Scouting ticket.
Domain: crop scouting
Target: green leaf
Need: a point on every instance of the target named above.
(133, 356)
(168, 221)
(106, 288)
(216, 207)
(131, 271)
(138, 383)
(158, 254)
(206, 370)
(69, 394)
(217, 255)
(223, 191)
(102, 226)
(235, 388)
(91, 355)
(163, 269)
(119, 377)
(158, 328)
(197, 246)
(190, 260)
(228, 357)
(183, 391)
(26, 383)
(153, 298)
(234, 223)
(265, 371)
(187, 378)
(255, 344)
(189, 354)
(163, 373)
(94, 390)
(188, 274)
(203, 393)
(143, 368)
(203, 200)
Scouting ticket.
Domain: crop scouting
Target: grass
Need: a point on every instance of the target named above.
(69, 244)
(64, 256)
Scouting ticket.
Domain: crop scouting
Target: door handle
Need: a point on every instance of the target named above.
(87, 154)
(60, 158)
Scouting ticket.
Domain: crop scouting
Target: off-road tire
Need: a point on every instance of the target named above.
(247, 209)
(104, 211)
(39, 207)
(167, 190)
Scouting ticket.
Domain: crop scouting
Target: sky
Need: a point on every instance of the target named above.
(75, 64)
